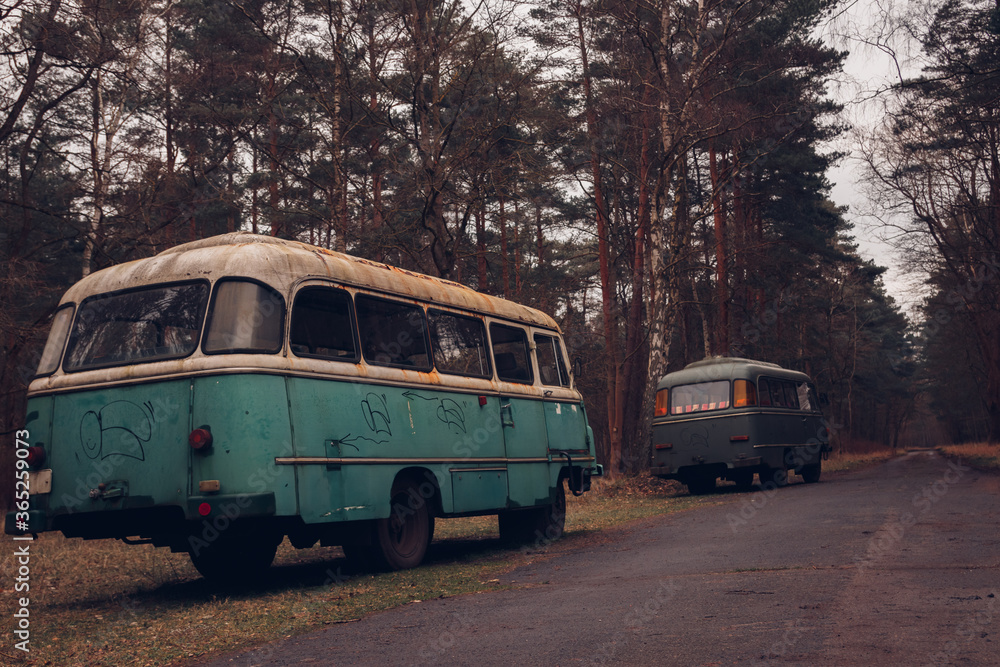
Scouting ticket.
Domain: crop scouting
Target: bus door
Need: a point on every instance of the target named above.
(522, 416)
(565, 423)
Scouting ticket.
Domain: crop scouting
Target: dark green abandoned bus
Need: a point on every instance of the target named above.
(730, 418)
(229, 392)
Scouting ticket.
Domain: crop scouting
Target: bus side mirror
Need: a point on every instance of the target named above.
(577, 367)
(824, 400)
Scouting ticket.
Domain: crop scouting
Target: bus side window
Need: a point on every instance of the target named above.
(807, 397)
(791, 397)
(459, 344)
(551, 364)
(777, 393)
(510, 354)
(744, 394)
(393, 333)
(764, 392)
(322, 325)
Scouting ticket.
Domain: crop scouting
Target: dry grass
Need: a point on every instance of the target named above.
(103, 602)
(841, 461)
(979, 455)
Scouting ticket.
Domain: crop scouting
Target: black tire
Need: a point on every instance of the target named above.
(811, 473)
(402, 538)
(777, 477)
(541, 525)
(743, 479)
(701, 486)
(235, 559)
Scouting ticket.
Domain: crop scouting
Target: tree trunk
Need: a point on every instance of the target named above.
(483, 278)
(615, 390)
(721, 270)
(636, 351)
(504, 256)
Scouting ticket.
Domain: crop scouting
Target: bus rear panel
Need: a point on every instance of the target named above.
(733, 418)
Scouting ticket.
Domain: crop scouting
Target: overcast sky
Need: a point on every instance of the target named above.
(868, 70)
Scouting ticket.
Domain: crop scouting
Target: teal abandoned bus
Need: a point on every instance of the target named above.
(730, 418)
(232, 391)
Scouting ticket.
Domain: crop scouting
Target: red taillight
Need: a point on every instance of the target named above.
(35, 457)
(204, 509)
(200, 439)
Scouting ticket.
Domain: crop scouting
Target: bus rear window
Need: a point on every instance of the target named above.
(701, 397)
(138, 326)
(246, 317)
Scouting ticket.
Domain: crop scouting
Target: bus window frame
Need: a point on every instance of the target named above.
(813, 397)
(562, 368)
(729, 399)
(71, 306)
(207, 320)
(529, 357)
(772, 381)
(486, 342)
(419, 307)
(352, 316)
(134, 362)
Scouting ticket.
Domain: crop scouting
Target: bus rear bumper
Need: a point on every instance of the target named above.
(232, 506)
(160, 519)
(15, 523)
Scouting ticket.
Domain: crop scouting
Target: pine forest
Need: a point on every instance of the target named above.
(652, 173)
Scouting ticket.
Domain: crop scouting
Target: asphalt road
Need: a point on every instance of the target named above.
(894, 565)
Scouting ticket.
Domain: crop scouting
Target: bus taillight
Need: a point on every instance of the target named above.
(35, 457)
(200, 439)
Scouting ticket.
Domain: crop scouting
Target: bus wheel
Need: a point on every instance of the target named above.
(540, 525)
(403, 537)
(775, 477)
(235, 559)
(811, 472)
(700, 485)
(742, 479)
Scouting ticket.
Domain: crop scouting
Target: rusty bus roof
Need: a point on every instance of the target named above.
(283, 264)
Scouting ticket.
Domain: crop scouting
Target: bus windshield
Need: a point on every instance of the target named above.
(151, 324)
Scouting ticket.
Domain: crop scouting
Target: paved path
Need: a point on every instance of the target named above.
(894, 565)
